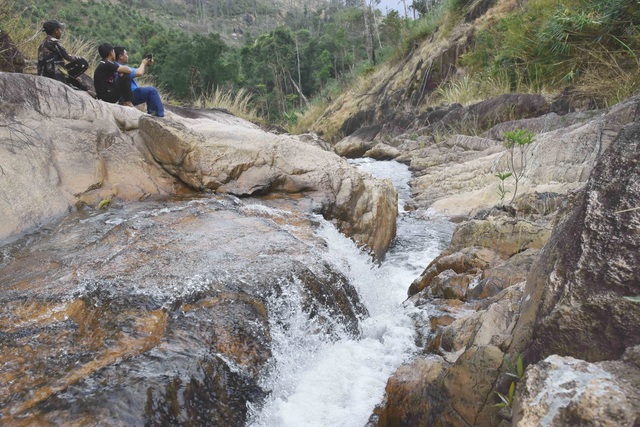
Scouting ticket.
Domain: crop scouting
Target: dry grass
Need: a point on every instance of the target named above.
(609, 80)
(467, 90)
(324, 119)
(239, 103)
(309, 117)
(462, 90)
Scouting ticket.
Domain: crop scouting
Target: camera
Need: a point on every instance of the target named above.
(149, 56)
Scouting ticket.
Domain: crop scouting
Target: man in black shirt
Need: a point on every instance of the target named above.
(110, 86)
(52, 56)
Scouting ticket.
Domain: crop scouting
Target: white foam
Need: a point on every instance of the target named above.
(317, 380)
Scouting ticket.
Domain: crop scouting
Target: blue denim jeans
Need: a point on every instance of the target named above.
(149, 95)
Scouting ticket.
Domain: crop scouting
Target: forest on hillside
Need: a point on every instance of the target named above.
(280, 53)
(281, 57)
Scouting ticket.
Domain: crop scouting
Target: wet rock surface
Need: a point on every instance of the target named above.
(157, 313)
(223, 153)
(414, 394)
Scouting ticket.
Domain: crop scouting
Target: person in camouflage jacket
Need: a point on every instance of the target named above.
(52, 56)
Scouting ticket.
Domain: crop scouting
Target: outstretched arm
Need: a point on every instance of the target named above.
(143, 67)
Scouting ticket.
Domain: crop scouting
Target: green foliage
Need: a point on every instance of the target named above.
(392, 26)
(422, 28)
(315, 48)
(634, 299)
(506, 401)
(517, 140)
(104, 204)
(502, 192)
(516, 371)
(291, 117)
(592, 43)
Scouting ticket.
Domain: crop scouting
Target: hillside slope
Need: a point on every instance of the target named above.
(471, 50)
(230, 19)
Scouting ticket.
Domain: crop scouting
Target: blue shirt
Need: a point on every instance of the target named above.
(134, 85)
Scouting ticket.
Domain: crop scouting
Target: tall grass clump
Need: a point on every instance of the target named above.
(238, 102)
(307, 119)
(462, 90)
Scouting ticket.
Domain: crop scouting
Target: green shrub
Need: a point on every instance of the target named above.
(591, 43)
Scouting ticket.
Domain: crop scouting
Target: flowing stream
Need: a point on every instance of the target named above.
(320, 381)
(207, 310)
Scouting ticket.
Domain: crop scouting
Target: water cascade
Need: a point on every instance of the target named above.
(320, 380)
(206, 310)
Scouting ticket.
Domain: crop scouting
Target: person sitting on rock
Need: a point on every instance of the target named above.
(144, 94)
(11, 59)
(112, 81)
(52, 56)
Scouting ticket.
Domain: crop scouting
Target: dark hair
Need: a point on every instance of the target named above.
(119, 50)
(50, 26)
(104, 50)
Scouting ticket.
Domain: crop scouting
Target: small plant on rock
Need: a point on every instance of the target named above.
(502, 192)
(507, 401)
(516, 371)
(104, 204)
(519, 140)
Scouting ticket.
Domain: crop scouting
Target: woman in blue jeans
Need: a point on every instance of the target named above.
(144, 94)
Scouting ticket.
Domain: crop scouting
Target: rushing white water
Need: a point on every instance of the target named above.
(318, 380)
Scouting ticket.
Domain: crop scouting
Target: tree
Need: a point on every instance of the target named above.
(274, 59)
(326, 67)
(368, 33)
(392, 28)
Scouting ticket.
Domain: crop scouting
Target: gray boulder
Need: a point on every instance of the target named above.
(562, 391)
(575, 303)
(225, 154)
(358, 143)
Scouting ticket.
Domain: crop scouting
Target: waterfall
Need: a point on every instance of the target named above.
(323, 380)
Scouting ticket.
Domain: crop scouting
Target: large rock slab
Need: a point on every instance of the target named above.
(575, 292)
(161, 313)
(61, 148)
(224, 153)
(558, 161)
